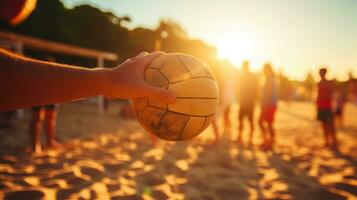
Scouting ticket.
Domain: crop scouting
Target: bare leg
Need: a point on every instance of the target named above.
(50, 125)
(325, 129)
(272, 134)
(35, 130)
(341, 116)
(227, 121)
(333, 137)
(251, 131)
(262, 129)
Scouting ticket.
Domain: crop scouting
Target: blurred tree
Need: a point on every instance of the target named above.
(176, 40)
(172, 29)
(285, 88)
(142, 39)
(90, 27)
(309, 85)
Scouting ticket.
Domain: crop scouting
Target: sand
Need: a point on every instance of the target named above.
(114, 158)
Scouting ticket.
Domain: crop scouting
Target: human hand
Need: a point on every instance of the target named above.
(127, 80)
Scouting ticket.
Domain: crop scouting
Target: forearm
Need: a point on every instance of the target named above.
(27, 82)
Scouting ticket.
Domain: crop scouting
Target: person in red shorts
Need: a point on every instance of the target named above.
(324, 109)
(269, 100)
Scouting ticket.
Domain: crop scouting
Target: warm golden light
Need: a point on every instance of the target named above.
(237, 47)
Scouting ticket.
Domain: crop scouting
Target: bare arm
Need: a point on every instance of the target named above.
(27, 82)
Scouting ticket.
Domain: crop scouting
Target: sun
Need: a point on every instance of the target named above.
(237, 48)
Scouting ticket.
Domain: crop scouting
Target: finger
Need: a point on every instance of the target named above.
(160, 94)
(137, 56)
(127, 60)
(142, 54)
(146, 60)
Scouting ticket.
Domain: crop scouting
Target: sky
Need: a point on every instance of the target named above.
(296, 36)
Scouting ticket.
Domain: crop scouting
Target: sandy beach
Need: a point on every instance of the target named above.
(113, 158)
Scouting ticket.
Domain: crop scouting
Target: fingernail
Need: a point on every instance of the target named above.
(142, 54)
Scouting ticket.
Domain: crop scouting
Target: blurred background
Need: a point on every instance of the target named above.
(103, 151)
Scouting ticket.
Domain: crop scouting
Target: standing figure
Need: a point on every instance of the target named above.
(247, 93)
(324, 109)
(269, 100)
(44, 116)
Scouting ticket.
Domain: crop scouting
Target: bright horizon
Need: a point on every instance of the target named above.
(295, 36)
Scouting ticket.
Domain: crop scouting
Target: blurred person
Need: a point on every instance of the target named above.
(247, 95)
(44, 116)
(324, 109)
(269, 100)
(28, 82)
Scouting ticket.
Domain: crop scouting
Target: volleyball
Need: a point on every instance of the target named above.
(196, 91)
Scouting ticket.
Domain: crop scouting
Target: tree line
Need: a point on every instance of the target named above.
(87, 26)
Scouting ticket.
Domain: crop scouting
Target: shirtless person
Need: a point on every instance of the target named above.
(248, 89)
(324, 109)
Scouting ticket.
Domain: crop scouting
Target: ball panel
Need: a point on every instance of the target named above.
(192, 128)
(158, 62)
(171, 125)
(195, 88)
(208, 121)
(156, 78)
(195, 107)
(209, 73)
(140, 104)
(195, 67)
(152, 116)
(174, 71)
(149, 129)
(157, 104)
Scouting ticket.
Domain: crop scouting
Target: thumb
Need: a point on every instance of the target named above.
(145, 58)
(142, 54)
(160, 94)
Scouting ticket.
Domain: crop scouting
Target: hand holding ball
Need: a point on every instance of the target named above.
(196, 91)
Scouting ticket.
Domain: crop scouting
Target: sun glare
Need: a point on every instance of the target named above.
(237, 48)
